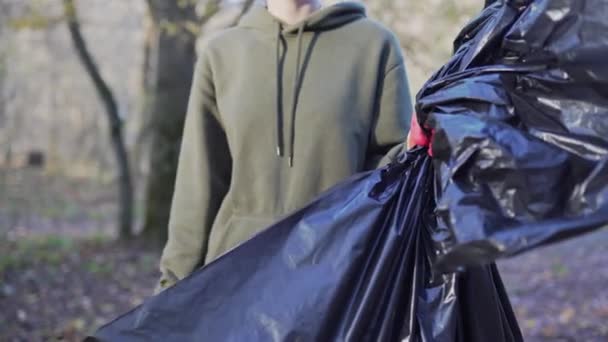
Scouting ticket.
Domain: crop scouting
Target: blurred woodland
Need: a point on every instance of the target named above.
(92, 102)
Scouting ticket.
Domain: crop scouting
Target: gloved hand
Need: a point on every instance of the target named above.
(419, 136)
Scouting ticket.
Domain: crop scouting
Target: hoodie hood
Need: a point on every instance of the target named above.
(325, 19)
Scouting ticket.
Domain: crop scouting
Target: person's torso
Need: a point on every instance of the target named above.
(336, 107)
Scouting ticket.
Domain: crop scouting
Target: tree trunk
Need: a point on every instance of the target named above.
(169, 70)
(169, 66)
(125, 218)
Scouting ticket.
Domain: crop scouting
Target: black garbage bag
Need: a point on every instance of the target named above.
(354, 265)
(520, 114)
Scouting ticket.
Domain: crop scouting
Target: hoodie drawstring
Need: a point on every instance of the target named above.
(279, 99)
(295, 94)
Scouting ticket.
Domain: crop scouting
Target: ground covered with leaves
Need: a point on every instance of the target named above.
(62, 274)
(559, 292)
(55, 288)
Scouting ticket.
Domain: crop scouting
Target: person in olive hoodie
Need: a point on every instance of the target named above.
(294, 99)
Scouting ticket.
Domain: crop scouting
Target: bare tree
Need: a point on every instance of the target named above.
(169, 66)
(3, 119)
(107, 97)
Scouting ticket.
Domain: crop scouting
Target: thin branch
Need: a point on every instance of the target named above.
(108, 99)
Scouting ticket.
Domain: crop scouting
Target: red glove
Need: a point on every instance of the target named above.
(418, 136)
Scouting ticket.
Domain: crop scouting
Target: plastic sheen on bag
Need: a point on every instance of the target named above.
(520, 114)
(354, 265)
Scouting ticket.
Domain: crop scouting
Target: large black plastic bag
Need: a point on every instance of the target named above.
(521, 120)
(355, 265)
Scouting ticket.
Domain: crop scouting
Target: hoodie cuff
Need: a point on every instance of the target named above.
(166, 281)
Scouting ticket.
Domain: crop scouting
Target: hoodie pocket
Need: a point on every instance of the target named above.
(238, 229)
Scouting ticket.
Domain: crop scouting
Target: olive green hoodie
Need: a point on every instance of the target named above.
(278, 114)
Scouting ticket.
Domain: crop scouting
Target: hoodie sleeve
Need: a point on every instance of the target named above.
(392, 117)
(203, 178)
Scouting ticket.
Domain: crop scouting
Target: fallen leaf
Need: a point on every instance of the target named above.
(549, 331)
(7, 290)
(602, 311)
(21, 315)
(566, 315)
(78, 324)
(530, 323)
